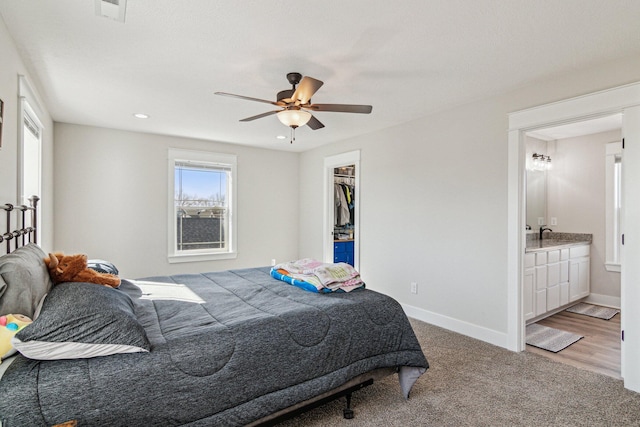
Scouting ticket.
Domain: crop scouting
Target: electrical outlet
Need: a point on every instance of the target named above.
(540, 220)
(273, 262)
(414, 288)
(554, 220)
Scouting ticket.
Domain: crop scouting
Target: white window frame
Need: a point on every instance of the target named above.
(29, 112)
(207, 158)
(613, 181)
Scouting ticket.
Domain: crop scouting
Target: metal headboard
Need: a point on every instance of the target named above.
(28, 229)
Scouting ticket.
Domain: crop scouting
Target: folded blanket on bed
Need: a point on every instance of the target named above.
(316, 276)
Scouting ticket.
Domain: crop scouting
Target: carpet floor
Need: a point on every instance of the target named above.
(472, 383)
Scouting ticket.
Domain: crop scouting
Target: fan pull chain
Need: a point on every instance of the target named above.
(293, 135)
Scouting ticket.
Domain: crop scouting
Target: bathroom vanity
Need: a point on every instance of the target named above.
(556, 273)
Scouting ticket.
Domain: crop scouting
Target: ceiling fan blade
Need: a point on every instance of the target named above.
(248, 98)
(305, 90)
(259, 116)
(341, 108)
(314, 123)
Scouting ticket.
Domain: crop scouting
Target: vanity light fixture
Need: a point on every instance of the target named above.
(540, 162)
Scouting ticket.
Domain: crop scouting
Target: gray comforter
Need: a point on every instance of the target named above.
(253, 346)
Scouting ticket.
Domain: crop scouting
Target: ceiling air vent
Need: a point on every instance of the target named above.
(113, 9)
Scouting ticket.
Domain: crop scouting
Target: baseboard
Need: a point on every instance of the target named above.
(455, 325)
(604, 300)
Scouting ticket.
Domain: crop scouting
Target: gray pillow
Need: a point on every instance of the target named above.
(24, 280)
(82, 320)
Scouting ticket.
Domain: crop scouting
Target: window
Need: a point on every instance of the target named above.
(30, 147)
(30, 165)
(202, 212)
(613, 205)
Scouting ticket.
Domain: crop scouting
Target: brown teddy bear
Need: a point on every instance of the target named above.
(73, 268)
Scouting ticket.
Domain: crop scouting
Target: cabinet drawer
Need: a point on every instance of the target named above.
(553, 256)
(579, 251)
(529, 260)
(346, 246)
(541, 258)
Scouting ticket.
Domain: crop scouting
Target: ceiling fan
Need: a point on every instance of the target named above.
(296, 104)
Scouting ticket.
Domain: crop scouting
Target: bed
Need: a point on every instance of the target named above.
(222, 348)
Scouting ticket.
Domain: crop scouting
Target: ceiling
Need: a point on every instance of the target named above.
(408, 59)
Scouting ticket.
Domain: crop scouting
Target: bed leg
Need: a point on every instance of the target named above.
(348, 412)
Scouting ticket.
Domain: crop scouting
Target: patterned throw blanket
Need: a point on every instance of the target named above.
(315, 276)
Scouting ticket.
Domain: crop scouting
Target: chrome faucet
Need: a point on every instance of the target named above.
(542, 229)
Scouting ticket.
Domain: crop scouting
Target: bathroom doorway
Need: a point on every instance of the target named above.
(575, 189)
(625, 100)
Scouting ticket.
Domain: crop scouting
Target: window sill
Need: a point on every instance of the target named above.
(612, 267)
(174, 259)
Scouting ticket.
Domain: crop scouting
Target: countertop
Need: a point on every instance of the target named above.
(546, 244)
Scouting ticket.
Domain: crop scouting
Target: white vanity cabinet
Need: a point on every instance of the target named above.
(579, 266)
(529, 286)
(554, 277)
(542, 270)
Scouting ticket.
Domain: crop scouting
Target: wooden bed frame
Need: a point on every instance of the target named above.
(27, 232)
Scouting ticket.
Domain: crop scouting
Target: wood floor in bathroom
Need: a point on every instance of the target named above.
(598, 351)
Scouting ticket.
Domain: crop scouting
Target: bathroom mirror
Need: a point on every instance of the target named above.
(536, 198)
(536, 181)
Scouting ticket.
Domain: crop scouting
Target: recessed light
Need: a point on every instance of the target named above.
(141, 116)
(281, 137)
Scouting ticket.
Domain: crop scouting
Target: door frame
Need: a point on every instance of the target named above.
(330, 163)
(607, 102)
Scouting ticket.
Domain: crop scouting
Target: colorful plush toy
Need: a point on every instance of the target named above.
(9, 326)
(73, 268)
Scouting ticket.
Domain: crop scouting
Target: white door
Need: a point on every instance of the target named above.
(630, 270)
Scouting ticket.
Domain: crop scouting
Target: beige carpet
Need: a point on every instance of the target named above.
(471, 383)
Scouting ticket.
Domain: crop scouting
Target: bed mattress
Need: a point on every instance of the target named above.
(227, 348)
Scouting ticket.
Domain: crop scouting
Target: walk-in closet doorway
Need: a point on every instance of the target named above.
(342, 208)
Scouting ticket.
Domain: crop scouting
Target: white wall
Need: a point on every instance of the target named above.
(111, 200)
(577, 199)
(434, 203)
(11, 67)
(433, 197)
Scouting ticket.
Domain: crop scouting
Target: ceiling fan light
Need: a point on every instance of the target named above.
(294, 118)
